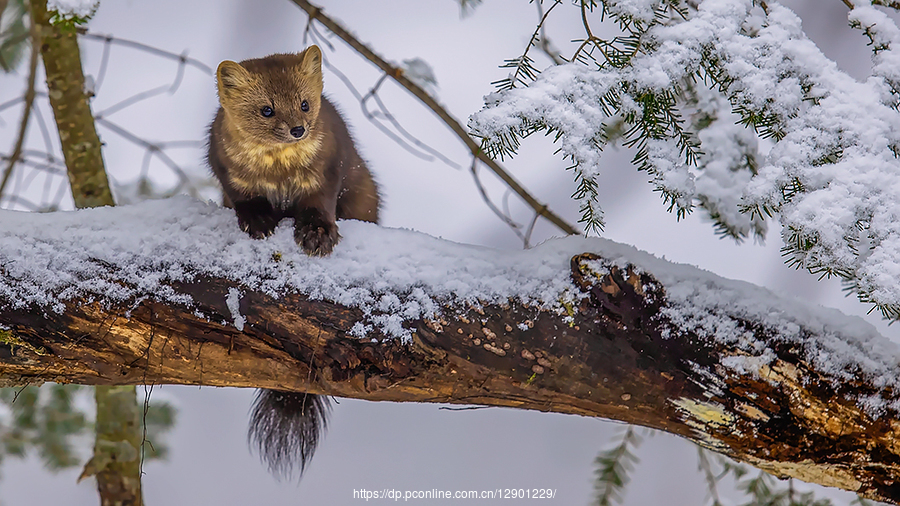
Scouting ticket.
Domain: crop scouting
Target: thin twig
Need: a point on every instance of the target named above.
(16, 200)
(29, 102)
(522, 62)
(591, 39)
(386, 114)
(144, 95)
(156, 150)
(184, 58)
(530, 229)
(45, 132)
(51, 168)
(317, 38)
(11, 102)
(385, 130)
(104, 62)
(546, 46)
(315, 13)
(487, 200)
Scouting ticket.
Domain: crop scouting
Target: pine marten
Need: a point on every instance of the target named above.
(281, 150)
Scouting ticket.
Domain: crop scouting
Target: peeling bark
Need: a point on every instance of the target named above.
(609, 360)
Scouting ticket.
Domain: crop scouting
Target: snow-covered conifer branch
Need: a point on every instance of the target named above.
(793, 136)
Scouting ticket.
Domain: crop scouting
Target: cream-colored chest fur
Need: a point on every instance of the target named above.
(281, 172)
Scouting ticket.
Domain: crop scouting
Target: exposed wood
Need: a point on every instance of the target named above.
(610, 361)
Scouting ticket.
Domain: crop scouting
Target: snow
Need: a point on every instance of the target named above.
(233, 301)
(394, 275)
(839, 150)
(73, 8)
(421, 73)
(127, 254)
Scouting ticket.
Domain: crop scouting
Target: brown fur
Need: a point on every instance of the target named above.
(266, 172)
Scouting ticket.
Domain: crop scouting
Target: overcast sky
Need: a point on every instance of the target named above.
(383, 445)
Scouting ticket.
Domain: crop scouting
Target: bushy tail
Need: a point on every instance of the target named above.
(286, 428)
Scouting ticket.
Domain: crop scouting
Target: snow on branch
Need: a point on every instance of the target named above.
(829, 176)
(171, 291)
(122, 256)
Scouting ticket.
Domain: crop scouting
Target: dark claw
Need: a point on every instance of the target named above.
(259, 227)
(317, 241)
(257, 217)
(316, 235)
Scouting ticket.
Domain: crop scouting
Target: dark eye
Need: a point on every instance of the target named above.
(267, 111)
(304, 106)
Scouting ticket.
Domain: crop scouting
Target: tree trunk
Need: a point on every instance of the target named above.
(74, 120)
(116, 460)
(613, 357)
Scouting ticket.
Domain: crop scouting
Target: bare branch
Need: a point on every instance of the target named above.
(29, 102)
(315, 13)
(152, 149)
(545, 44)
(182, 58)
(386, 114)
(487, 200)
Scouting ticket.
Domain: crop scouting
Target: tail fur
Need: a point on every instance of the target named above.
(286, 428)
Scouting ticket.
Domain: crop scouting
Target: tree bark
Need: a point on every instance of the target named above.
(72, 110)
(611, 358)
(116, 460)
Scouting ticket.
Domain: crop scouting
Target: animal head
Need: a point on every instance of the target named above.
(273, 100)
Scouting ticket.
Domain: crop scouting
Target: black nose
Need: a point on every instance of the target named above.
(298, 131)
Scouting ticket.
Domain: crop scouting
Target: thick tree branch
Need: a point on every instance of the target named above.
(618, 353)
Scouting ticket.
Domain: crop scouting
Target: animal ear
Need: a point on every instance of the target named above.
(232, 76)
(311, 60)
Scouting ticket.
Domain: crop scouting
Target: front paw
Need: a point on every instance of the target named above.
(316, 236)
(259, 226)
(257, 217)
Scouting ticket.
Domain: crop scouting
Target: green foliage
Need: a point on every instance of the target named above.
(52, 422)
(70, 22)
(613, 467)
(13, 34)
(45, 420)
(610, 96)
(524, 70)
(466, 7)
(762, 490)
(655, 117)
(758, 487)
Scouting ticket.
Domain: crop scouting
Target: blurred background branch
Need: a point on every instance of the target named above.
(403, 79)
